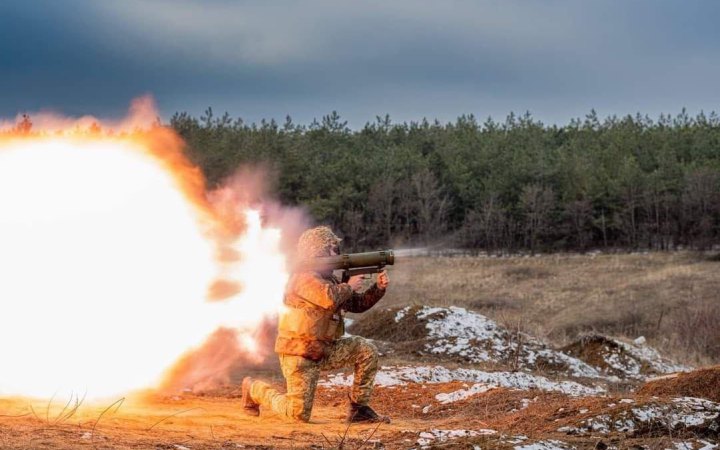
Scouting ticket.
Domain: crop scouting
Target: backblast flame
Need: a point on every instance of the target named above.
(107, 250)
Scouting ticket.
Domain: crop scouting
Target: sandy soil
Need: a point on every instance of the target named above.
(214, 421)
(196, 422)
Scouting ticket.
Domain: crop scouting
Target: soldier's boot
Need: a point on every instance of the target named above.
(364, 413)
(249, 406)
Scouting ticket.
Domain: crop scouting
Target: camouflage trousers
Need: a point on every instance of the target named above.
(301, 375)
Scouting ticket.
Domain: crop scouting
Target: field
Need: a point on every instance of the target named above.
(522, 353)
(670, 298)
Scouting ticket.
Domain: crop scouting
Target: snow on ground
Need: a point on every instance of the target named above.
(628, 360)
(462, 394)
(475, 338)
(685, 411)
(401, 314)
(435, 436)
(401, 375)
(461, 334)
(681, 413)
(652, 357)
(549, 444)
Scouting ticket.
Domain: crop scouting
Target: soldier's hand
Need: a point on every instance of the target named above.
(356, 282)
(383, 280)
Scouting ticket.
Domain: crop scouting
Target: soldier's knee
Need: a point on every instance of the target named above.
(373, 348)
(368, 352)
(369, 348)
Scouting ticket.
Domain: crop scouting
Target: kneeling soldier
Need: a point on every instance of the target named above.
(310, 339)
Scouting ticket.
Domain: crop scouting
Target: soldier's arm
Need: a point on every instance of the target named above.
(320, 292)
(361, 302)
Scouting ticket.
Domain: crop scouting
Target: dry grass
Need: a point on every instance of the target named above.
(670, 298)
(703, 383)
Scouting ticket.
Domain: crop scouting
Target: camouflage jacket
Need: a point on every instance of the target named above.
(314, 313)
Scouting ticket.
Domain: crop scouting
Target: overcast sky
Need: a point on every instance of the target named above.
(408, 58)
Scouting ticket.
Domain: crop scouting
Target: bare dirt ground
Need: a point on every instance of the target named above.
(215, 422)
(175, 422)
(501, 360)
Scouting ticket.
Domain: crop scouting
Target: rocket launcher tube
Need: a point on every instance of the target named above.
(351, 263)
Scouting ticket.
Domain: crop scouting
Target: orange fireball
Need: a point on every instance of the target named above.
(108, 249)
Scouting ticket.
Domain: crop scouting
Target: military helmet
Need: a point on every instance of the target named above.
(317, 242)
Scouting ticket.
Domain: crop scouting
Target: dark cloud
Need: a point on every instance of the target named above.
(411, 59)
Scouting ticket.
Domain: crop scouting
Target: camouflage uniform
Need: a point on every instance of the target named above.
(301, 375)
(317, 302)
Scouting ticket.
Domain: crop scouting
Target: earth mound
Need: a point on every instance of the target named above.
(625, 360)
(702, 383)
(467, 337)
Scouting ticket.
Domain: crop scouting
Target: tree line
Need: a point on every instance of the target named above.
(517, 185)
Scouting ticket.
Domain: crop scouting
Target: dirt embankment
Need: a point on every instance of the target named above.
(701, 383)
(467, 337)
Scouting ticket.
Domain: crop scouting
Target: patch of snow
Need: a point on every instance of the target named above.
(640, 340)
(624, 425)
(598, 424)
(400, 314)
(463, 394)
(86, 435)
(401, 375)
(515, 439)
(686, 411)
(652, 357)
(428, 437)
(683, 446)
(627, 400)
(549, 444)
(707, 445)
(458, 332)
(632, 360)
(681, 413)
(628, 366)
